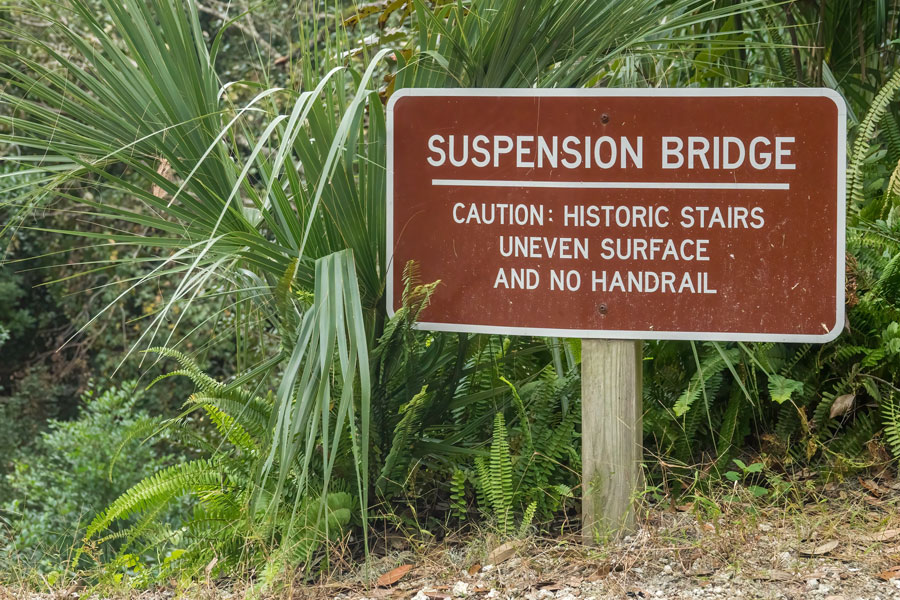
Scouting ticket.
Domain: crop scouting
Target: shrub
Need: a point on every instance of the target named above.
(70, 477)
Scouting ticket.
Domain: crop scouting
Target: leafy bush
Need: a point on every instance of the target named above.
(237, 518)
(57, 489)
(35, 398)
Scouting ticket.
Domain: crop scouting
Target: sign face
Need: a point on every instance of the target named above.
(707, 214)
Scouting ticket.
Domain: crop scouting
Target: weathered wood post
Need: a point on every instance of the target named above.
(611, 436)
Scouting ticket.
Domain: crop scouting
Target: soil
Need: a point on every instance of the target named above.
(836, 543)
(839, 543)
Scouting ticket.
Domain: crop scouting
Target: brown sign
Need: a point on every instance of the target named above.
(711, 214)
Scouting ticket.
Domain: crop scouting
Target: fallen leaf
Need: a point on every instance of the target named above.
(474, 569)
(892, 573)
(821, 549)
(502, 552)
(842, 405)
(871, 486)
(393, 576)
(883, 536)
(685, 507)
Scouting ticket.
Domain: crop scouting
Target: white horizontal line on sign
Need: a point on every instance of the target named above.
(671, 185)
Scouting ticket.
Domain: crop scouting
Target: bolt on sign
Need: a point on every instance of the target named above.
(713, 214)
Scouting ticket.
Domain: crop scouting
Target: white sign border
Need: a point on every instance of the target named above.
(841, 166)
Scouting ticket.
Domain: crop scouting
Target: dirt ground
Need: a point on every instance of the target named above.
(841, 542)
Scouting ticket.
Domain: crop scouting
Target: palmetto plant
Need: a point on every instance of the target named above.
(275, 208)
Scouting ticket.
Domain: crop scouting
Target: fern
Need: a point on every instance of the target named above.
(157, 490)
(231, 429)
(252, 414)
(401, 447)
(852, 441)
(855, 176)
(501, 475)
(483, 488)
(889, 283)
(527, 519)
(734, 421)
(782, 49)
(891, 130)
(706, 378)
(189, 369)
(458, 506)
(232, 518)
(890, 419)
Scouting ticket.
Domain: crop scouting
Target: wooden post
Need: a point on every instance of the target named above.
(611, 436)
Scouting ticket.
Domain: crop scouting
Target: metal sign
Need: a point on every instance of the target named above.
(709, 214)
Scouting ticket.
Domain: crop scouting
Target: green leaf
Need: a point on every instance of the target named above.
(781, 388)
(758, 491)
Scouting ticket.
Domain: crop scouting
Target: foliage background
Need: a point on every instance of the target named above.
(210, 178)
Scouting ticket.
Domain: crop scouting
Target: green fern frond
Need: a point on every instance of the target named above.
(158, 489)
(734, 421)
(231, 429)
(189, 368)
(708, 373)
(889, 282)
(866, 131)
(401, 446)
(523, 415)
(527, 519)
(852, 440)
(143, 428)
(782, 48)
(890, 419)
(458, 507)
(501, 475)
(891, 131)
(252, 415)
